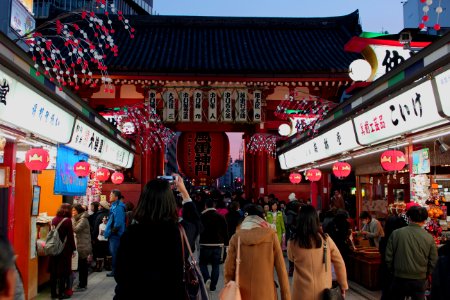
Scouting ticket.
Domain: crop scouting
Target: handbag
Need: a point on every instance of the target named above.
(333, 293)
(75, 261)
(194, 284)
(231, 290)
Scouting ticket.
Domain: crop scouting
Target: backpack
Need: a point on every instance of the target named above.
(53, 244)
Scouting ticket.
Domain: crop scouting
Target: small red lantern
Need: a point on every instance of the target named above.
(117, 177)
(393, 160)
(82, 169)
(341, 169)
(102, 174)
(313, 174)
(37, 159)
(295, 178)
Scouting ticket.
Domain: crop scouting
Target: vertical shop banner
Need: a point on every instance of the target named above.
(198, 102)
(169, 106)
(443, 87)
(227, 114)
(184, 115)
(257, 100)
(152, 99)
(212, 107)
(241, 106)
(66, 181)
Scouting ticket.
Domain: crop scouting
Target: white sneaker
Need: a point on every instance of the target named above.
(208, 284)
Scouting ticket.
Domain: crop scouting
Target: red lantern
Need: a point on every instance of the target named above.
(393, 160)
(341, 169)
(37, 159)
(313, 174)
(102, 174)
(203, 156)
(295, 178)
(117, 177)
(82, 169)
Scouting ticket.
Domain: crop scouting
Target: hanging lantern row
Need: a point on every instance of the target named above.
(313, 174)
(295, 178)
(82, 169)
(263, 142)
(102, 174)
(426, 17)
(117, 177)
(341, 169)
(393, 160)
(37, 159)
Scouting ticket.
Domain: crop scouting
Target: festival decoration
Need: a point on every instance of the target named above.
(313, 174)
(82, 169)
(341, 169)
(426, 17)
(37, 159)
(295, 178)
(70, 48)
(117, 178)
(263, 142)
(393, 160)
(102, 174)
(203, 156)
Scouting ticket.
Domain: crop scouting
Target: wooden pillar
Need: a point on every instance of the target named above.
(314, 193)
(9, 160)
(249, 182)
(261, 168)
(358, 199)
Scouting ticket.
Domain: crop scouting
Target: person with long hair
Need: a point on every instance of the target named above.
(82, 231)
(149, 258)
(312, 260)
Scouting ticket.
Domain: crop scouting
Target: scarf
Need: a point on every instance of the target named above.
(251, 222)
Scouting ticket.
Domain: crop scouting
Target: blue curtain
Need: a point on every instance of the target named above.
(66, 182)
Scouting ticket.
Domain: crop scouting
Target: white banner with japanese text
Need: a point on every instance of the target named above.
(185, 109)
(241, 106)
(212, 106)
(198, 103)
(227, 107)
(170, 99)
(257, 100)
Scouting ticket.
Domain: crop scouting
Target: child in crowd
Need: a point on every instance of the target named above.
(102, 244)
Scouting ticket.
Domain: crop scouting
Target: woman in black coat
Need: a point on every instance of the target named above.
(149, 259)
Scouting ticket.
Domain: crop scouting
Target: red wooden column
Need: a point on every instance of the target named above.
(152, 165)
(261, 168)
(314, 193)
(9, 160)
(249, 182)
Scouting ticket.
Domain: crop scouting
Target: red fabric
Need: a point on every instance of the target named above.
(411, 204)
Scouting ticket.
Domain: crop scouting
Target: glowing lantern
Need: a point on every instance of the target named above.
(82, 169)
(393, 160)
(117, 177)
(341, 169)
(313, 174)
(37, 159)
(295, 178)
(102, 174)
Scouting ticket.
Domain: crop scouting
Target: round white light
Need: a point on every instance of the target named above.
(284, 130)
(360, 70)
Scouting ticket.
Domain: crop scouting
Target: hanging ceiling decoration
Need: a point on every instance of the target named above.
(341, 169)
(117, 177)
(75, 45)
(82, 169)
(306, 112)
(393, 160)
(37, 159)
(102, 174)
(313, 174)
(263, 142)
(295, 178)
(426, 9)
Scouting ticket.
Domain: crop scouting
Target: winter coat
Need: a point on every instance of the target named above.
(61, 264)
(83, 234)
(260, 253)
(440, 289)
(116, 221)
(99, 220)
(233, 218)
(310, 278)
(279, 223)
(215, 231)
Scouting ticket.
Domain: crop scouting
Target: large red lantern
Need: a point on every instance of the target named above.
(203, 156)
(82, 169)
(295, 178)
(102, 174)
(117, 177)
(393, 160)
(341, 169)
(37, 159)
(313, 174)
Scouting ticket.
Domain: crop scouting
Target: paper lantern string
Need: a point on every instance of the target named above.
(75, 44)
(263, 142)
(426, 17)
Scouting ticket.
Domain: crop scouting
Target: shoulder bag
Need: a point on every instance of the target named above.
(333, 293)
(231, 290)
(194, 284)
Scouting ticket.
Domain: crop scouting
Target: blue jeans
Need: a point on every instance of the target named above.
(114, 242)
(210, 255)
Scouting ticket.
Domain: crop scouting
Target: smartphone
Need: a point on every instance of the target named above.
(169, 178)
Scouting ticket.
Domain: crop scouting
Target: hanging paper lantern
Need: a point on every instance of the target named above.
(341, 169)
(117, 177)
(295, 178)
(82, 169)
(393, 160)
(313, 174)
(102, 174)
(37, 159)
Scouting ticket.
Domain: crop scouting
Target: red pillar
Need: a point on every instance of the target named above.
(314, 193)
(9, 160)
(249, 182)
(152, 165)
(261, 179)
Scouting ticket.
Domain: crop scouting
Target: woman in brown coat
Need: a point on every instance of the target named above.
(306, 249)
(260, 253)
(84, 247)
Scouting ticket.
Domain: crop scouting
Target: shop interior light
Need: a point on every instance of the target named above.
(430, 137)
(31, 143)
(371, 152)
(327, 163)
(8, 136)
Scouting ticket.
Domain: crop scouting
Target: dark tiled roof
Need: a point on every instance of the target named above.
(235, 45)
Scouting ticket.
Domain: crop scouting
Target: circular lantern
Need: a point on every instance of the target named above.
(117, 177)
(313, 174)
(37, 159)
(360, 70)
(295, 178)
(102, 174)
(203, 155)
(82, 169)
(341, 169)
(393, 160)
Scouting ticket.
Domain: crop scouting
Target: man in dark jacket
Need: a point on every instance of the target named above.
(411, 255)
(291, 212)
(212, 242)
(440, 289)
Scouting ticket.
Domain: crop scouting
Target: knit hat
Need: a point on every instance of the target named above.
(411, 204)
(292, 197)
(104, 204)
